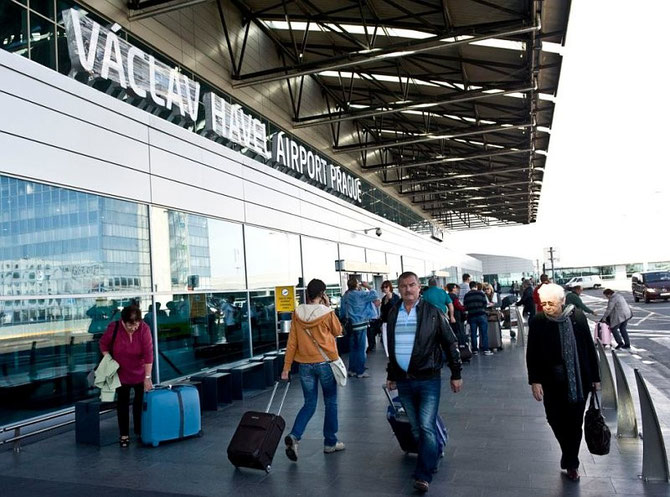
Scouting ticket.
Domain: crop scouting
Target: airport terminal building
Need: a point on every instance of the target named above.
(130, 172)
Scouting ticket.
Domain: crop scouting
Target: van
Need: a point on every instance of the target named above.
(651, 285)
(586, 282)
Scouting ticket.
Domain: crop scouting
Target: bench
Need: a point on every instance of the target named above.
(217, 388)
(87, 423)
(248, 376)
(269, 368)
(279, 361)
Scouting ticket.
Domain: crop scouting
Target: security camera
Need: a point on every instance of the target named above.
(378, 232)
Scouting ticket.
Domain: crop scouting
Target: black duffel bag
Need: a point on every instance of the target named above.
(596, 431)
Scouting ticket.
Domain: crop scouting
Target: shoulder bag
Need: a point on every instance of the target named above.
(338, 367)
(596, 432)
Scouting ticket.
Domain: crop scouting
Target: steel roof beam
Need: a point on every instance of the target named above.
(452, 207)
(490, 172)
(473, 188)
(444, 160)
(460, 97)
(151, 8)
(497, 195)
(362, 57)
(427, 137)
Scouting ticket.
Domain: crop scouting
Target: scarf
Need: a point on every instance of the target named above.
(569, 353)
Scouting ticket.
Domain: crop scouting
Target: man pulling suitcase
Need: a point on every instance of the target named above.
(415, 330)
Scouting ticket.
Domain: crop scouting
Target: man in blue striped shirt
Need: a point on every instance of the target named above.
(417, 334)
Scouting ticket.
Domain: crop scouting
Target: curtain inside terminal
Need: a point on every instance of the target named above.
(71, 260)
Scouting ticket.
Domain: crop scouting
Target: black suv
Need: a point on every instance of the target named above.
(651, 285)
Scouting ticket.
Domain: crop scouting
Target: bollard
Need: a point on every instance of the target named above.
(608, 393)
(520, 325)
(625, 415)
(654, 456)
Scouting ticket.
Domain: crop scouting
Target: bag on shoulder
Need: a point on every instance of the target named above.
(337, 366)
(596, 431)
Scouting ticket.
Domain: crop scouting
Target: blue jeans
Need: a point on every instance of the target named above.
(482, 323)
(619, 331)
(310, 377)
(421, 400)
(357, 346)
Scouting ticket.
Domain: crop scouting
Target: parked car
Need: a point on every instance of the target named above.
(651, 285)
(585, 282)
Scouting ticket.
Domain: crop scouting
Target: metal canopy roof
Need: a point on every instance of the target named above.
(448, 101)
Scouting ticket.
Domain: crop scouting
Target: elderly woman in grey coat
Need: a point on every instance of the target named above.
(617, 315)
(562, 370)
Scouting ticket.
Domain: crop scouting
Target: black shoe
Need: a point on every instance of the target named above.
(618, 347)
(291, 447)
(124, 442)
(421, 486)
(573, 474)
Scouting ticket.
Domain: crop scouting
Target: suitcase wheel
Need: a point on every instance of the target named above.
(200, 433)
(154, 444)
(268, 468)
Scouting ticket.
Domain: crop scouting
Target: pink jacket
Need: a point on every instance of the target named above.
(132, 353)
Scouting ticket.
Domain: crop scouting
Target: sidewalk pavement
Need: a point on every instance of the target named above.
(499, 446)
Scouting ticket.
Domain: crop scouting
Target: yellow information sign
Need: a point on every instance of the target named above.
(285, 298)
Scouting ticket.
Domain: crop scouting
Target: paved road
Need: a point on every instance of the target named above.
(649, 332)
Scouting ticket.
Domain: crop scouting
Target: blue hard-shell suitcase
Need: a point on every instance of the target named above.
(170, 413)
(395, 414)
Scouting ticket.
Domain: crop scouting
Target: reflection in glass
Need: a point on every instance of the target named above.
(197, 331)
(263, 324)
(47, 348)
(196, 252)
(43, 41)
(273, 258)
(14, 28)
(58, 241)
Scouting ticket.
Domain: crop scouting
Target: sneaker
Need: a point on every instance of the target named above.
(475, 352)
(364, 375)
(488, 352)
(291, 447)
(618, 347)
(626, 347)
(421, 486)
(329, 449)
(351, 374)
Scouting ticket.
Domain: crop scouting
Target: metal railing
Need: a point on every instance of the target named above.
(608, 390)
(654, 455)
(16, 428)
(626, 421)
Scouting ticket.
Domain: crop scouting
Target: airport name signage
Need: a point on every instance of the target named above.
(295, 156)
(100, 53)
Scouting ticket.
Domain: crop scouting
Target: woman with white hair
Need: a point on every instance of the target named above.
(562, 369)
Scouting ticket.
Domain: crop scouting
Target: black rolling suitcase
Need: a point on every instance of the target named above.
(257, 436)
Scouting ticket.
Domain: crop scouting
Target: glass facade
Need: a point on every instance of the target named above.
(72, 260)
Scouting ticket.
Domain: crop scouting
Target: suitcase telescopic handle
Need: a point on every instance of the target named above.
(388, 396)
(272, 397)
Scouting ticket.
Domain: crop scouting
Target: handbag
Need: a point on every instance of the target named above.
(90, 377)
(596, 431)
(338, 367)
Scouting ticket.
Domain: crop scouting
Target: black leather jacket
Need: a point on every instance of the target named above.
(433, 335)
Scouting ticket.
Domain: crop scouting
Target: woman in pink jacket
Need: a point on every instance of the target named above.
(133, 349)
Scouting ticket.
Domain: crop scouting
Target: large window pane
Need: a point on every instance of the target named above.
(417, 266)
(47, 348)
(57, 241)
(263, 324)
(318, 258)
(196, 253)
(197, 331)
(351, 253)
(273, 258)
(13, 28)
(394, 262)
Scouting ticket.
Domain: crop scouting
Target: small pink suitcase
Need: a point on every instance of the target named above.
(603, 333)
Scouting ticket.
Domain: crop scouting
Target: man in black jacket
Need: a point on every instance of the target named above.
(417, 334)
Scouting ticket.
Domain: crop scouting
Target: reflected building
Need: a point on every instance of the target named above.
(190, 265)
(55, 241)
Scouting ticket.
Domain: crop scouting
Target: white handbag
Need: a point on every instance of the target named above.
(338, 367)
